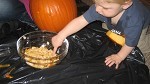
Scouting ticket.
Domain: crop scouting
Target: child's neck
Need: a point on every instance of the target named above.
(115, 19)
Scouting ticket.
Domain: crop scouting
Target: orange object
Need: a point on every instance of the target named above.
(4, 65)
(52, 15)
(116, 38)
(8, 76)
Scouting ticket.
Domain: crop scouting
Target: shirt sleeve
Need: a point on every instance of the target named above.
(136, 19)
(133, 31)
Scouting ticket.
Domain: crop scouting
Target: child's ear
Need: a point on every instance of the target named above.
(127, 4)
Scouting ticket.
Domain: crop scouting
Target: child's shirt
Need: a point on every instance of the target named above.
(131, 23)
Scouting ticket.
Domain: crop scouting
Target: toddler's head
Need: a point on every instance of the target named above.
(113, 1)
(112, 8)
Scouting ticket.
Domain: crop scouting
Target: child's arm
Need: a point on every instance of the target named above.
(119, 57)
(72, 27)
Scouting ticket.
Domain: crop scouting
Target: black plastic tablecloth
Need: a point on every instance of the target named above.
(84, 63)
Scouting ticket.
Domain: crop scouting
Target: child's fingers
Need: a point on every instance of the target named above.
(54, 51)
(111, 60)
(117, 65)
(111, 63)
(107, 61)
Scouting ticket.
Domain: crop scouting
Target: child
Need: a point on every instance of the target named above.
(124, 17)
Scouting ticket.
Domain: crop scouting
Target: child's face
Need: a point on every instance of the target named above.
(108, 9)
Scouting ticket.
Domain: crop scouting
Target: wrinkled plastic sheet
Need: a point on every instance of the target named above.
(84, 63)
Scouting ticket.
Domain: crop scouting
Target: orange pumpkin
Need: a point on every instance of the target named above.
(52, 15)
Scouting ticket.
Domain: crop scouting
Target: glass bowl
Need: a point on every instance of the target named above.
(40, 39)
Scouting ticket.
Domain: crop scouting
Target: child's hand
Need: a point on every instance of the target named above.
(56, 42)
(113, 59)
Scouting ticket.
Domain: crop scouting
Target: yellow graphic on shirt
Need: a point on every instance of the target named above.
(116, 38)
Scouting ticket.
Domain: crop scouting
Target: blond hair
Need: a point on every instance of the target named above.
(113, 1)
